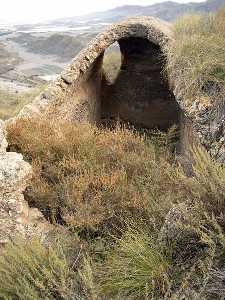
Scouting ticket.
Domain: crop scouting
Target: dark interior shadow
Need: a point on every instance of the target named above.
(140, 95)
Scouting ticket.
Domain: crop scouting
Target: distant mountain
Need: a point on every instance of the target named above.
(64, 46)
(168, 11)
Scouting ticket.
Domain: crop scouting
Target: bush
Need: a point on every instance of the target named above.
(31, 271)
(208, 184)
(123, 184)
(85, 176)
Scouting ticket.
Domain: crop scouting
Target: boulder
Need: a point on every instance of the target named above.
(15, 215)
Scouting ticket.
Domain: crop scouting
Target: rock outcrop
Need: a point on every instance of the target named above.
(205, 122)
(15, 215)
(192, 254)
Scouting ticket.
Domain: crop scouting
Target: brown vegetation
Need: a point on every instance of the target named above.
(84, 175)
(114, 188)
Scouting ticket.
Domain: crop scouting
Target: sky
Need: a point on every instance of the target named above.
(26, 11)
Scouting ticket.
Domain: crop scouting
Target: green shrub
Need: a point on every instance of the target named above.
(87, 274)
(136, 269)
(32, 271)
(206, 188)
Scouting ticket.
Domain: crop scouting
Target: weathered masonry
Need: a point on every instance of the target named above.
(140, 93)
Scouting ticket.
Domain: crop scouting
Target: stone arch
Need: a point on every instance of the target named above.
(77, 93)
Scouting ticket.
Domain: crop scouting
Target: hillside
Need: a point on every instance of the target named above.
(43, 49)
(167, 10)
(97, 210)
(8, 60)
(64, 46)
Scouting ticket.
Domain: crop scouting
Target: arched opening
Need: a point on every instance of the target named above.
(112, 63)
(139, 94)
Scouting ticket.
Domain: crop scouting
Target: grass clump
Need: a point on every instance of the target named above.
(208, 185)
(136, 269)
(196, 56)
(31, 271)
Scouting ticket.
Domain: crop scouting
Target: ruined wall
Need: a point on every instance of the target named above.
(75, 95)
(68, 95)
(203, 121)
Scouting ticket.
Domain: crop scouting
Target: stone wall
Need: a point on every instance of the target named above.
(203, 122)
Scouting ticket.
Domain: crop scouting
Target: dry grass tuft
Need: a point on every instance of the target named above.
(196, 56)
